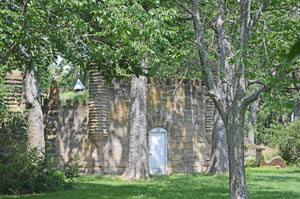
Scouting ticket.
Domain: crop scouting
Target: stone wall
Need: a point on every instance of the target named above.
(13, 90)
(51, 113)
(68, 140)
(96, 135)
(180, 109)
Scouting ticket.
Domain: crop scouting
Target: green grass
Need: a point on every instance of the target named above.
(263, 183)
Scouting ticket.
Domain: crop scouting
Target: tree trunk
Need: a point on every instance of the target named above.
(251, 120)
(219, 159)
(137, 167)
(32, 99)
(235, 140)
(231, 98)
(296, 112)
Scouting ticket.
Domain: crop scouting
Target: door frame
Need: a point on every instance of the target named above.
(165, 133)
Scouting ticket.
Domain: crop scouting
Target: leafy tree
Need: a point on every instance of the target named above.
(241, 62)
(126, 38)
(111, 36)
(17, 36)
(286, 138)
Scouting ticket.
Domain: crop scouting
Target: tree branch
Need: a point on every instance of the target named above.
(185, 17)
(206, 65)
(218, 103)
(251, 82)
(251, 98)
(185, 7)
(219, 31)
(240, 69)
(181, 80)
(258, 15)
(198, 28)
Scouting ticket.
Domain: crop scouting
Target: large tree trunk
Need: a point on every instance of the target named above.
(253, 109)
(137, 167)
(231, 98)
(235, 139)
(32, 99)
(219, 159)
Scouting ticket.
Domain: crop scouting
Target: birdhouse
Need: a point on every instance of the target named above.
(79, 86)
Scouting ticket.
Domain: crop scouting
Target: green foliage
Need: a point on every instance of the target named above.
(294, 50)
(287, 139)
(246, 146)
(273, 111)
(24, 171)
(71, 169)
(113, 36)
(30, 172)
(74, 96)
(265, 120)
(251, 162)
(13, 131)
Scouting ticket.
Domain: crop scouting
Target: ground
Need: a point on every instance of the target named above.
(263, 183)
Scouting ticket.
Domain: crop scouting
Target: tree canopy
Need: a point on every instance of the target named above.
(241, 47)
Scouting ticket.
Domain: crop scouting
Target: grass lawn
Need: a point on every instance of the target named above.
(263, 183)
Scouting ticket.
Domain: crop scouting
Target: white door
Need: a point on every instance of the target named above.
(158, 150)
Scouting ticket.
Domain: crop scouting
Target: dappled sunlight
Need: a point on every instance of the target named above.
(263, 183)
(101, 145)
(273, 182)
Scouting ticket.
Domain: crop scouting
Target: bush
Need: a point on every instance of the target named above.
(24, 171)
(251, 162)
(29, 172)
(287, 138)
(71, 169)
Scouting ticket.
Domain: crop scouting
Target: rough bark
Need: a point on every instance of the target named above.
(235, 140)
(219, 160)
(137, 167)
(231, 97)
(32, 100)
(253, 109)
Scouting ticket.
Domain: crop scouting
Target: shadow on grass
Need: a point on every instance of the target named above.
(155, 192)
(271, 194)
(267, 183)
(160, 187)
(262, 184)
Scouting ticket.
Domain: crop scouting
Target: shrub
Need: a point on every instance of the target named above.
(29, 172)
(287, 138)
(251, 162)
(71, 169)
(24, 171)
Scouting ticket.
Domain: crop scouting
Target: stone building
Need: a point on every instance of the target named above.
(95, 134)
(13, 88)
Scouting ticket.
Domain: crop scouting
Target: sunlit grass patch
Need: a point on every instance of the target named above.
(263, 183)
